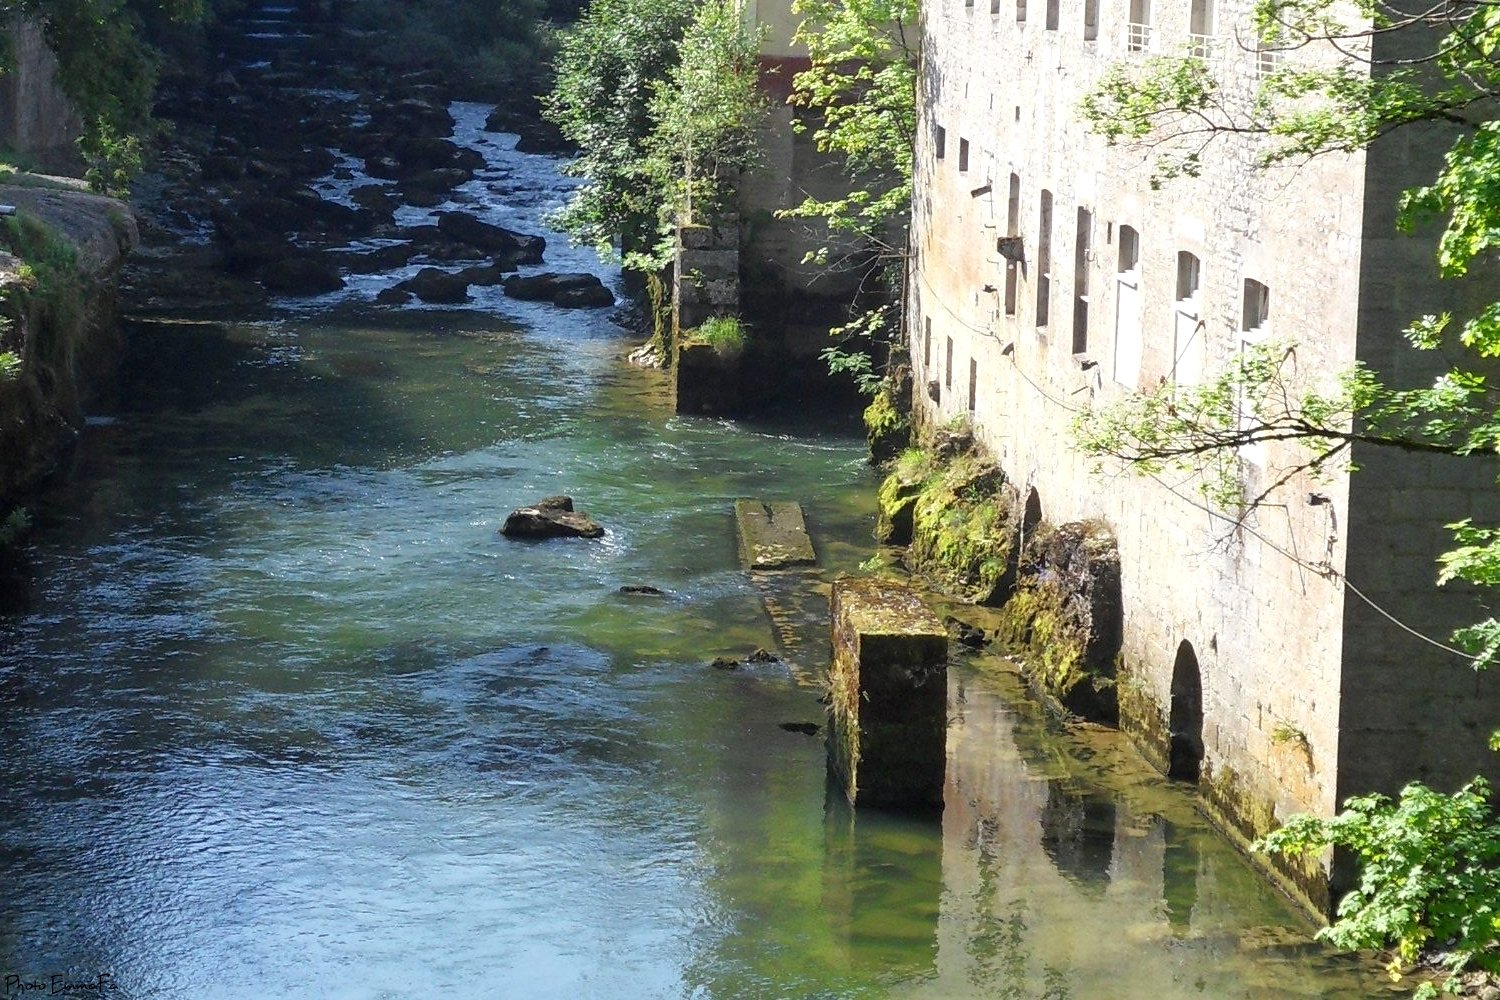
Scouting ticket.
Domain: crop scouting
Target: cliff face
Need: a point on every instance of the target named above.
(57, 293)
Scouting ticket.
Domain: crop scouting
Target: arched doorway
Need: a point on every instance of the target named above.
(1185, 723)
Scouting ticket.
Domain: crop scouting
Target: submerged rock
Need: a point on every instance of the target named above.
(300, 276)
(805, 728)
(433, 285)
(643, 590)
(553, 517)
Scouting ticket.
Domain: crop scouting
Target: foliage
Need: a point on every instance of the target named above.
(489, 47)
(725, 334)
(1429, 875)
(707, 111)
(609, 68)
(861, 91)
(108, 61)
(656, 145)
(14, 526)
(10, 365)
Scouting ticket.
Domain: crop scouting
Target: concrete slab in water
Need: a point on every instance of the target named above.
(773, 535)
(888, 696)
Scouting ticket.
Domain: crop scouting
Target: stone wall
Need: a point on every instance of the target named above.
(36, 120)
(1233, 629)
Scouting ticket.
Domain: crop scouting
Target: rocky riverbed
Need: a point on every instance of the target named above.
(301, 172)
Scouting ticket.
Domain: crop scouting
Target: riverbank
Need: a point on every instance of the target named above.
(60, 341)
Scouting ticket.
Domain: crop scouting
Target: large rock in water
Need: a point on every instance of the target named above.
(576, 290)
(433, 285)
(300, 276)
(519, 247)
(553, 517)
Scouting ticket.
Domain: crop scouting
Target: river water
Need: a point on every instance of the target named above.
(284, 717)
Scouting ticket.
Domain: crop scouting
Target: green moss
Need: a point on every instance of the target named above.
(897, 502)
(887, 429)
(1247, 816)
(1035, 621)
(965, 525)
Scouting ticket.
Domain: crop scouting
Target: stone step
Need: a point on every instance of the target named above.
(773, 535)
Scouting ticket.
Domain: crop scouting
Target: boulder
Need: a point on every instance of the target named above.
(574, 290)
(550, 518)
(300, 276)
(433, 285)
(487, 274)
(585, 297)
(393, 296)
(520, 247)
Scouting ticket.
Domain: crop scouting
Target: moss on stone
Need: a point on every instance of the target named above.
(898, 494)
(965, 527)
(1247, 816)
(887, 428)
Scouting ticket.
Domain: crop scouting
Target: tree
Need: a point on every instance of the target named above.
(609, 69)
(661, 98)
(862, 91)
(707, 111)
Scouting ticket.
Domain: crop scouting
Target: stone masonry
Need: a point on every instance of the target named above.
(1050, 275)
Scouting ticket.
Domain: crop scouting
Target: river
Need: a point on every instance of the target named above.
(284, 717)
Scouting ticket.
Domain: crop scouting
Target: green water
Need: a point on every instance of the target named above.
(284, 717)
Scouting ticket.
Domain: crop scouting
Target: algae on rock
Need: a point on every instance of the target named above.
(1066, 616)
(966, 526)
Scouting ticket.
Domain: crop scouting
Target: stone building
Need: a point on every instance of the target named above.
(1276, 661)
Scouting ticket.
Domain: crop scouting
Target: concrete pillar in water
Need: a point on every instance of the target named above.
(888, 696)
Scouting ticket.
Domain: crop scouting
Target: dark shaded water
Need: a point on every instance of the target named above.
(285, 718)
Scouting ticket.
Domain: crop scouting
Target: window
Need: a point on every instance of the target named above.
(1044, 258)
(1128, 309)
(1013, 230)
(1138, 31)
(1201, 29)
(926, 344)
(1020, 11)
(1187, 343)
(995, 7)
(948, 368)
(963, 155)
(1255, 322)
(1267, 61)
(1054, 14)
(1083, 253)
(973, 383)
(939, 141)
(1090, 20)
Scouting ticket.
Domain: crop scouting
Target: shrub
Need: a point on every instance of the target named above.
(1429, 876)
(725, 334)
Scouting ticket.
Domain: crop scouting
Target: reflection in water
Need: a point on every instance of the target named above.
(1179, 874)
(1078, 834)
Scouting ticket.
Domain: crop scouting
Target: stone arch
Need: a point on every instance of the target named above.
(1185, 721)
(1031, 519)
